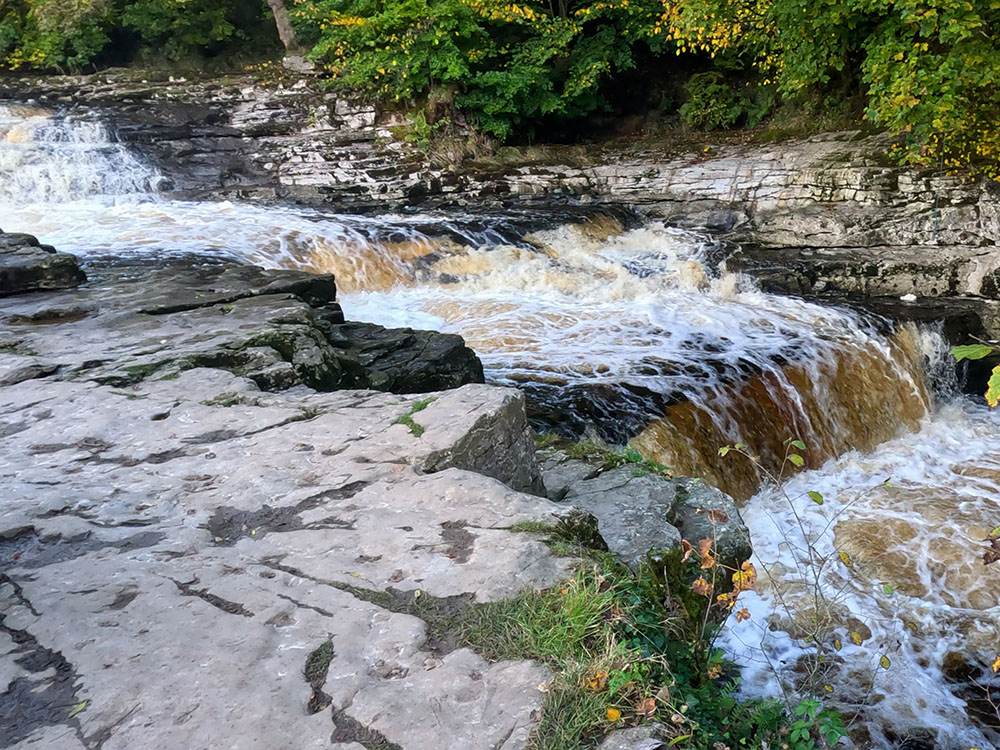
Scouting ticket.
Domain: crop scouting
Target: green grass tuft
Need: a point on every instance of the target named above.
(407, 419)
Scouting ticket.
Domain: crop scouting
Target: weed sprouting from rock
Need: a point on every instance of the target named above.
(415, 428)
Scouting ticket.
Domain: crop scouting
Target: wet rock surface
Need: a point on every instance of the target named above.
(278, 328)
(26, 266)
(402, 360)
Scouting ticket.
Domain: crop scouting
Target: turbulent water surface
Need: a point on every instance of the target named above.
(631, 333)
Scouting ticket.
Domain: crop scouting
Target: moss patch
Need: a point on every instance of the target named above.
(600, 456)
(407, 419)
(317, 666)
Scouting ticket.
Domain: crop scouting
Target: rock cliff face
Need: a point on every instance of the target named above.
(828, 217)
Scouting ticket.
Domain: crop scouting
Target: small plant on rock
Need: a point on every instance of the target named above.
(407, 419)
(812, 721)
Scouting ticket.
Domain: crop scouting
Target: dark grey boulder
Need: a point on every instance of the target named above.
(279, 328)
(633, 511)
(402, 360)
(28, 266)
(642, 515)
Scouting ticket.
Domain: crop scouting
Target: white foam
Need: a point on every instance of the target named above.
(949, 467)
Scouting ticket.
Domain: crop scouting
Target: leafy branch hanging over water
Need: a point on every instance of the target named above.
(981, 351)
(976, 352)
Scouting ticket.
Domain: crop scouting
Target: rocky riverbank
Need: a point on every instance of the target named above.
(200, 548)
(829, 217)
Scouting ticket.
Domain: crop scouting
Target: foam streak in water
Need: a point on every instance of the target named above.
(50, 160)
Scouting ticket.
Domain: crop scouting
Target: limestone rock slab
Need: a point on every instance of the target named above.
(176, 542)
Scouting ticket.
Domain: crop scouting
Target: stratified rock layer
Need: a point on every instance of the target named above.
(829, 217)
(27, 266)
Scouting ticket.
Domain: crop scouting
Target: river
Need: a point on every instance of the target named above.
(622, 328)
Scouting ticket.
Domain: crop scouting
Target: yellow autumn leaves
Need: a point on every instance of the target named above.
(742, 579)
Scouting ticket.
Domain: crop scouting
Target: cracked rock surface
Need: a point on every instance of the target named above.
(190, 560)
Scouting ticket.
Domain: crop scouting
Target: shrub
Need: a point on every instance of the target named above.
(55, 34)
(712, 103)
(512, 65)
(179, 27)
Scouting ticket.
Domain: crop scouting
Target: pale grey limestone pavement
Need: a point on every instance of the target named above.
(173, 563)
(184, 521)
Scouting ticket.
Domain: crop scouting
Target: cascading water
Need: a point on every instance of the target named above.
(630, 335)
(47, 160)
(907, 600)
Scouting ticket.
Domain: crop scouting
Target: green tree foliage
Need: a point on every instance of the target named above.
(712, 103)
(930, 69)
(180, 26)
(72, 34)
(509, 63)
(53, 33)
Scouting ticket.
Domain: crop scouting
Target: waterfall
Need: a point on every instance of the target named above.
(48, 159)
(632, 334)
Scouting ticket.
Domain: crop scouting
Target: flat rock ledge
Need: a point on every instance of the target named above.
(155, 319)
(173, 553)
(198, 548)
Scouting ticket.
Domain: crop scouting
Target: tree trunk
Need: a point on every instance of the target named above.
(285, 31)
